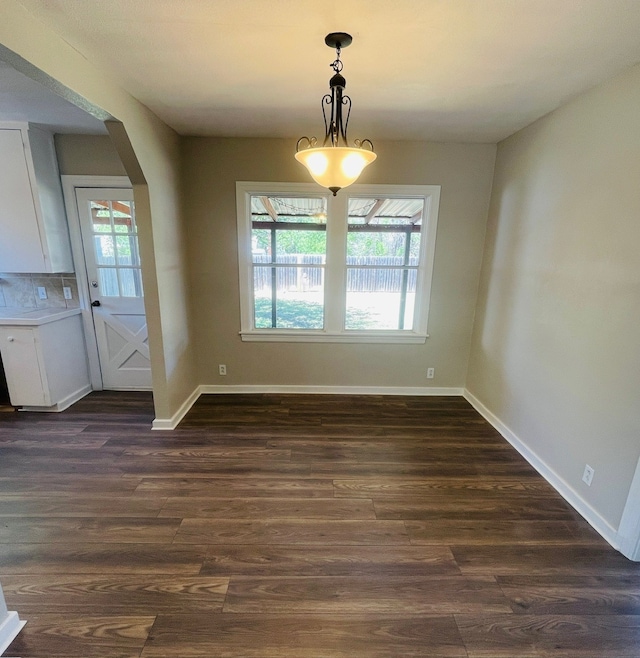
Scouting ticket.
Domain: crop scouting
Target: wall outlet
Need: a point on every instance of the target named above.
(66, 291)
(431, 373)
(42, 292)
(222, 369)
(587, 476)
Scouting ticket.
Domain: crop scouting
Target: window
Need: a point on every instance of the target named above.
(351, 268)
(288, 254)
(115, 243)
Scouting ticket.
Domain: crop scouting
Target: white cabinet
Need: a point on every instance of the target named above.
(22, 363)
(33, 223)
(45, 364)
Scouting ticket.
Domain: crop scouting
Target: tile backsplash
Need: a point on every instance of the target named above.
(21, 290)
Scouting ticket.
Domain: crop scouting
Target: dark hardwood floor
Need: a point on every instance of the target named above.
(297, 526)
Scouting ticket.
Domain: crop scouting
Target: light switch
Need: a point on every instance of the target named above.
(42, 292)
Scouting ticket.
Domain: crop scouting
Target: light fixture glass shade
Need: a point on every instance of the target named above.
(335, 167)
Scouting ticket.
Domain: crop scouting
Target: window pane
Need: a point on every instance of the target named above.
(100, 216)
(127, 248)
(359, 209)
(101, 226)
(301, 247)
(122, 217)
(298, 302)
(367, 248)
(108, 282)
(383, 236)
(371, 241)
(288, 297)
(299, 305)
(397, 211)
(271, 237)
(262, 281)
(261, 245)
(104, 249)
(130, 282)
(414, 249)
(289, 209)
(380, 299)
(262, 300)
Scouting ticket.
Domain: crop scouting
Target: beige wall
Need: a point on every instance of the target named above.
(88, 155)
(556, 344)
(211, 168)
(154, 171)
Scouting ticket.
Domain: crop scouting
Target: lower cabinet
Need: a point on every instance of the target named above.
(45, 365)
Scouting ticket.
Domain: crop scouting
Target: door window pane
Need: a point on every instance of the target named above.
(115, 244)
(127, 248)
(104, 250)
(100, 216)
(108, 280)
(130, 282)
(122, 217)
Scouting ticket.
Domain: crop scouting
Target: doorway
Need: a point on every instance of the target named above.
(104, 237)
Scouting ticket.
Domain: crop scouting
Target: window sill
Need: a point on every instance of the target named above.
(306, 336)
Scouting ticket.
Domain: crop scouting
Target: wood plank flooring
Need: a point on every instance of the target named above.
(297, 527)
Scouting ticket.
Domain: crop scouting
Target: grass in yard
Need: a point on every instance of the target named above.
(299, 314)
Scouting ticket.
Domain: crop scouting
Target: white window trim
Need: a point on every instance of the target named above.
(334, 283)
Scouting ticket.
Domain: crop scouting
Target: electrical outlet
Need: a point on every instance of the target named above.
(222, 369)
(587, 476)
(431, 373)
(66, 290)
(42, 292)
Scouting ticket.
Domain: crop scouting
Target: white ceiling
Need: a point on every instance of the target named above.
(447, 70)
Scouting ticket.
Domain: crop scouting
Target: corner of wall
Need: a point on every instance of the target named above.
(608, 532)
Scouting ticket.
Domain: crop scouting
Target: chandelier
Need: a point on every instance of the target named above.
(335, 164)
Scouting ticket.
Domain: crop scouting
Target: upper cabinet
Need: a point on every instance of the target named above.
(34, 235)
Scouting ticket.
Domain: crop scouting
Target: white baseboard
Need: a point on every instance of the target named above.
(64, 403)
(207, 389)
(333, 390)
(172, 423)
(9, 629)
(608, 532)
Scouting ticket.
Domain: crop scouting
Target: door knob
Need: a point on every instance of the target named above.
(96, 303)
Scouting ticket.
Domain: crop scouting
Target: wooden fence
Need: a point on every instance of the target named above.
(306, 273)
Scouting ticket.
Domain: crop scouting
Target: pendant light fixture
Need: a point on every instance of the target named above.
(335, 164)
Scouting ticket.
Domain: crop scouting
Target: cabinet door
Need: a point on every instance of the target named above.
(22, 367)
(21, 244)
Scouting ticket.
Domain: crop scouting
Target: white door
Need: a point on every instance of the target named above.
(110, 241)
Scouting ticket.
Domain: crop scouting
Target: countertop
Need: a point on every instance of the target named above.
(34, 316)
